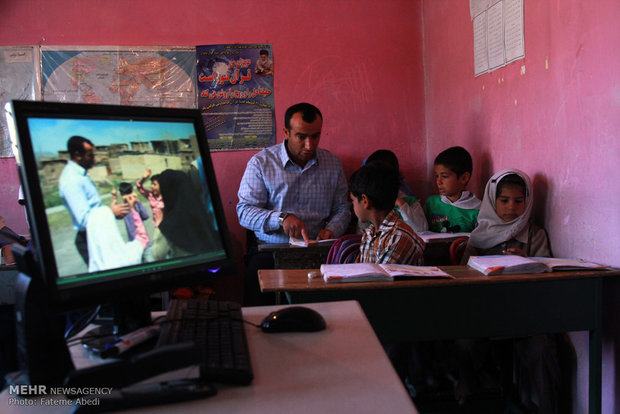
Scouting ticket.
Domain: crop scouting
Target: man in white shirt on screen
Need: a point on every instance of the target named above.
(78, 192)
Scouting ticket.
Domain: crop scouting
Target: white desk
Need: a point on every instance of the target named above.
(340, 370)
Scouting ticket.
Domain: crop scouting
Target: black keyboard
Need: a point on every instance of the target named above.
(217, 328)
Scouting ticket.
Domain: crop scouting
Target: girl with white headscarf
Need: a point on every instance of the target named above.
(504, 225)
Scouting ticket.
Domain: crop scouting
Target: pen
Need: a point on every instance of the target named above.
(112, 344)
(125, 342)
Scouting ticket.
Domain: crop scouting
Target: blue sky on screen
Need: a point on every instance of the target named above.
(51, 135)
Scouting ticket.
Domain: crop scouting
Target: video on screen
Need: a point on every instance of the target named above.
(121, 193)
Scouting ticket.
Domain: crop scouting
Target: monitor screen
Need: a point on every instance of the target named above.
(121, 200)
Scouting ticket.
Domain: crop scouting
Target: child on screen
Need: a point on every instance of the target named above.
(137, 211)
(154, 195)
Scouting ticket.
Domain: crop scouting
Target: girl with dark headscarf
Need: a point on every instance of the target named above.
(185, 227)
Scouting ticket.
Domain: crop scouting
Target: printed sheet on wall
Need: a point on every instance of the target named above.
(235, 95)
(19, 79)
(498, 33)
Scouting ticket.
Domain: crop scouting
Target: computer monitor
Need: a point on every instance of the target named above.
(89, 246)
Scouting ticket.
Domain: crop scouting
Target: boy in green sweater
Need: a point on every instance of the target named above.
(455, 209)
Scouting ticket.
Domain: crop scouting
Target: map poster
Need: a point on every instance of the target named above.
(19, 79)
(139, 76)
(235, 95)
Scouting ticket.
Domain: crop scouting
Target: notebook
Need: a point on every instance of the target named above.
(511, 264)
(302, 243)
(371, 272)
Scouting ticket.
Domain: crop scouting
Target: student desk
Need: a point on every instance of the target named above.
(342, 369)
(471, 305)
(286, 256)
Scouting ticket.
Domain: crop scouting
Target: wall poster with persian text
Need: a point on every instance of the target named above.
(235, 95)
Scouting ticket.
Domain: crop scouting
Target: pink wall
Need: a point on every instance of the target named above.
(13, 213)
(560, 125)
(368, 66)
(359, 62)
(559, 122)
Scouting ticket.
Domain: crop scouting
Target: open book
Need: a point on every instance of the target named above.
(370, 272)
(430, 237)
(511, 264)
(301, 243)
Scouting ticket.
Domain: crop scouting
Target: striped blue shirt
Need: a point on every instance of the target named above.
(273, 183)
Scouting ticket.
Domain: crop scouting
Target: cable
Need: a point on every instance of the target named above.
(83, 321)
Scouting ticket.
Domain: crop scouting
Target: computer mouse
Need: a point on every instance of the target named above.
(293, 319)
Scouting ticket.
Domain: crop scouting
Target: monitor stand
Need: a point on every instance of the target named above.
(128, 315)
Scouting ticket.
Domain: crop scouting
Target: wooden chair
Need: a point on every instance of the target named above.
(457, 248)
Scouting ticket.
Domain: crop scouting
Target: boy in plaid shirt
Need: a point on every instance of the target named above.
(373, 190)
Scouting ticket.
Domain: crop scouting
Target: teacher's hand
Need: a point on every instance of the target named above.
(325, 234)
(515, 251)
(294, 227)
